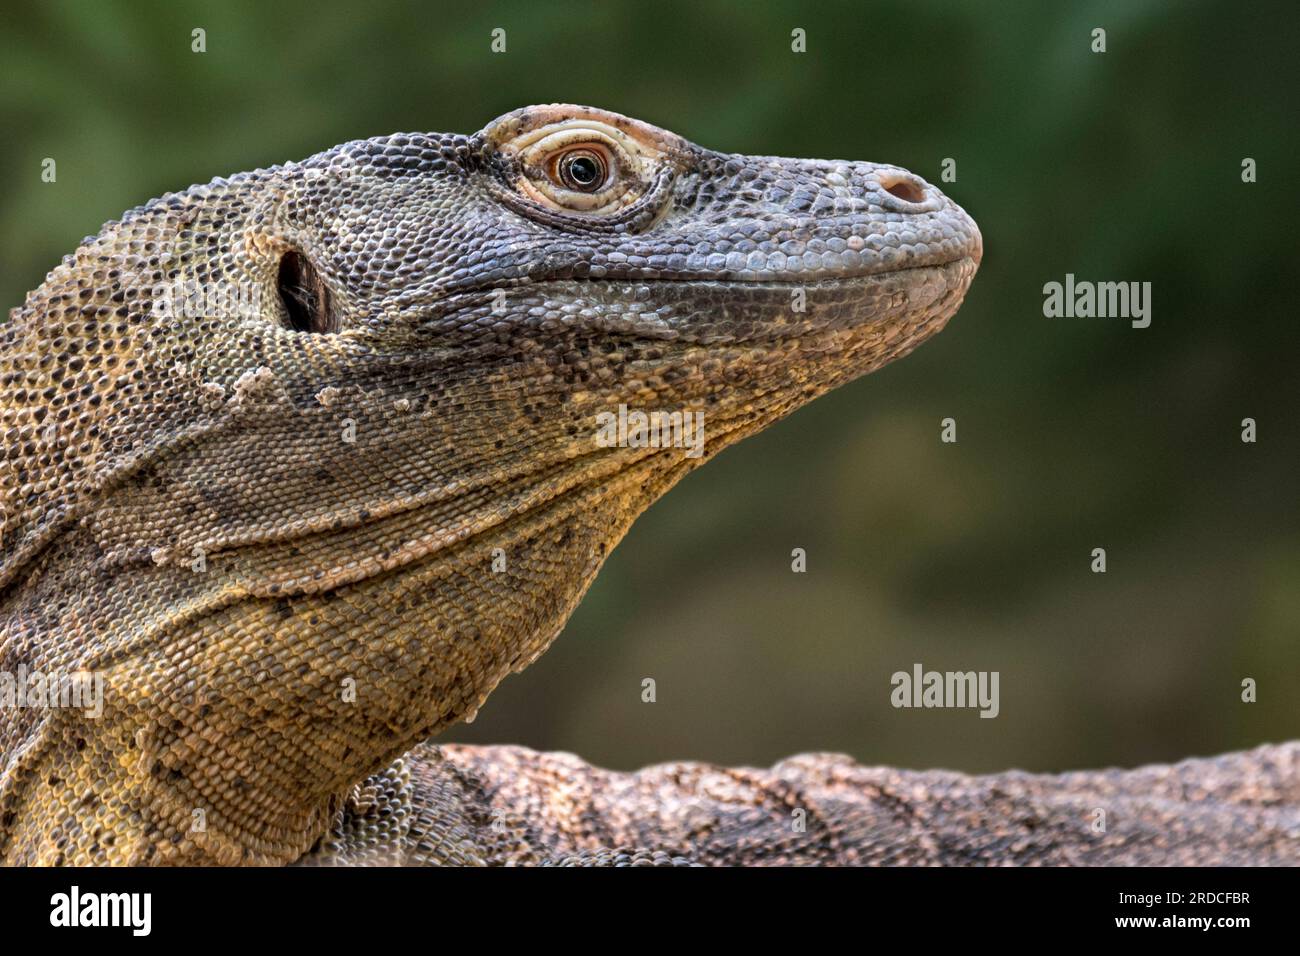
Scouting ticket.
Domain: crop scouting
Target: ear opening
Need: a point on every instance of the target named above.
(307, 300)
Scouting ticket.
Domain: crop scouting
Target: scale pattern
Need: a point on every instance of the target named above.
(516, 806)
(302, 462)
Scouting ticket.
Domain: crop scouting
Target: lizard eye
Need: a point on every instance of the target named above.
(581, 165)
(582, 170)
(306, 298)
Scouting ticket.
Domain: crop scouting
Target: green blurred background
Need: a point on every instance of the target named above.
(1073, 433)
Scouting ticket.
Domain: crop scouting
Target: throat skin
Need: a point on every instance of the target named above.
(297, 729)
(480, 575)
(294, 556)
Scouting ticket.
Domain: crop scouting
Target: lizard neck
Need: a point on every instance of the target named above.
(246, 758)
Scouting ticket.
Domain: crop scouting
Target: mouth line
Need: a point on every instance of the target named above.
(778, 282)
(946, 272)
(462, 297)
(842, 277)
(782, 282)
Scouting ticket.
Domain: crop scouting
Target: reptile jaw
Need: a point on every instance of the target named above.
(386, 476)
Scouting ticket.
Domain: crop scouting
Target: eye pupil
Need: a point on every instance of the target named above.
(582, 171)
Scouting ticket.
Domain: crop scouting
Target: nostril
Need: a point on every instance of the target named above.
(905, 189)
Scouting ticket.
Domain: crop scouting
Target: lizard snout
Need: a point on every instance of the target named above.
(910, 194)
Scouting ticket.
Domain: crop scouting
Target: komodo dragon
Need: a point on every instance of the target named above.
(302, 464)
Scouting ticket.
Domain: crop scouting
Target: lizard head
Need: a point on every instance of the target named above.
(306, 460)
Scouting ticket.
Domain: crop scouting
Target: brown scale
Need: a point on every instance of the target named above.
(268, 517)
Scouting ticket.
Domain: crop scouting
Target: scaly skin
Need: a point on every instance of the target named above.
(512, 805)
(300, 532)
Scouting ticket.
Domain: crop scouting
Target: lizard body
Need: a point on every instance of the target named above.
(301, 462)
(513, 805)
